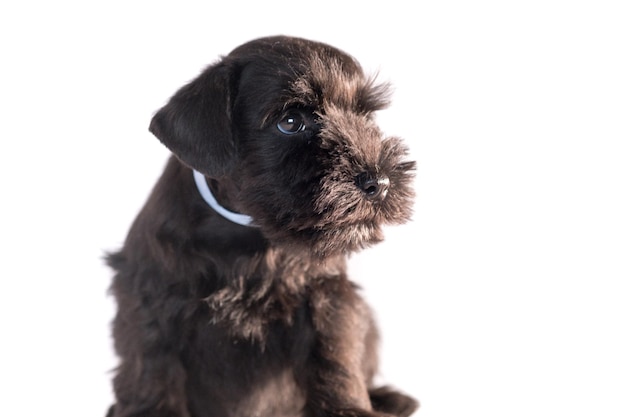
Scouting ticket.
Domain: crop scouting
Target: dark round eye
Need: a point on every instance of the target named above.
(291, 123)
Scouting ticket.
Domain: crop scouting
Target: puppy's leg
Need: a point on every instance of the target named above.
(341, 366)
(150, 380)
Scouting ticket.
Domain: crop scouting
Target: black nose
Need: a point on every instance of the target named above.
(374, 186)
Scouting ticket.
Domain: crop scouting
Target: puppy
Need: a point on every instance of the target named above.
(231, 286)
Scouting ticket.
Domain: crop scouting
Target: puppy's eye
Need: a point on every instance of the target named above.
(291, 123)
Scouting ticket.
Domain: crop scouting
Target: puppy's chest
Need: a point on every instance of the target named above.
(253, 345)
(277, 297)
(243, 364)
(250, 310)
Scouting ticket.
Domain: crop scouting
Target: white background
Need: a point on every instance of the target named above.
(504, 297)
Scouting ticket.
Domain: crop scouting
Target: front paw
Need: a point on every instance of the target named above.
(356, 412)
(386, 400)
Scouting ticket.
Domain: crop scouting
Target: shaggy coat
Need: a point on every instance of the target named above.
(217, 319)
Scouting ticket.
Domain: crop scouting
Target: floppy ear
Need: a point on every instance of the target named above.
(196, 123)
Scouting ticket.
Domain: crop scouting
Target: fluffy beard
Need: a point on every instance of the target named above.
(328, 214)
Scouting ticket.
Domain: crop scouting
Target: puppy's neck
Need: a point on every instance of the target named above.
(209, 198)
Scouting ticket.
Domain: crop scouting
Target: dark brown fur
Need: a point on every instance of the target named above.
(218, 319)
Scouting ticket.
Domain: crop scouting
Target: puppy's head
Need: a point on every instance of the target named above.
(291, 123)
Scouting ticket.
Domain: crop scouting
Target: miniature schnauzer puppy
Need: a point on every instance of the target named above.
(231, 286)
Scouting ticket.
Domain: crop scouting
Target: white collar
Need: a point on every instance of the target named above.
(207, 195)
